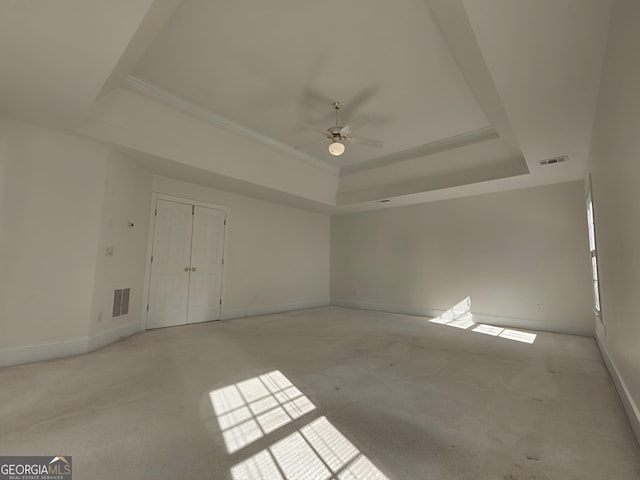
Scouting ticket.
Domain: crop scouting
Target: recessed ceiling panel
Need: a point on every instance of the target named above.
(545, 58)
(271, 65)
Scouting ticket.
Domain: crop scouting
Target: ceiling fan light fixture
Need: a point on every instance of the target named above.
(336, 149)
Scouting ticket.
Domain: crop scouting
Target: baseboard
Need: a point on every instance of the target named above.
(231, 313)
(47, 351)
(630, 407)
(44, 351)
(105, 338)
(527, 324)
(379, 307)
(511, 322)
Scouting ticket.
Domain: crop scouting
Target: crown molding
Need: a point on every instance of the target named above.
(449, 143)
(137, 84)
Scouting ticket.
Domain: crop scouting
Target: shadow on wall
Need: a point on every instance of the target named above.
(252, 409)
(460, 316)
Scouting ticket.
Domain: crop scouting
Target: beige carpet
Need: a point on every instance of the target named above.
(324, 393)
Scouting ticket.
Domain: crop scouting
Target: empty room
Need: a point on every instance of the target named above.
(350, 240)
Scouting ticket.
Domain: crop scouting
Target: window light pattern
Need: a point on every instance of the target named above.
(250, 409)
(518, 336)
(316, 451)
(509, 334)
(462, 322)
(458, 310)
(488, 330)
(361, 468)
(460, 316)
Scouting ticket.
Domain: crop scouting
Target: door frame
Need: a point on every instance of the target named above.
(152, 228)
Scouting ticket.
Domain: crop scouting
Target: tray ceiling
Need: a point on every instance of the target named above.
(270, 65)
(467, 95)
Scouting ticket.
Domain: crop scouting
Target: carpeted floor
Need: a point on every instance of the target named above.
(324, 393)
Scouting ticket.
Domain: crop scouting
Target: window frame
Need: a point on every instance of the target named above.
(593, 252)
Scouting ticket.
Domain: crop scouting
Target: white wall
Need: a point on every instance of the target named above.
(508, 251)
(127, 196)
(62, 200)
(276, 257)
(615, 171)
(51, 193)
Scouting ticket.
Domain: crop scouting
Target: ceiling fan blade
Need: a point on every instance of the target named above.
(355, 124)
(363, 97)
(313, 99)
(313, 127)
(308, 144)
(367, 141)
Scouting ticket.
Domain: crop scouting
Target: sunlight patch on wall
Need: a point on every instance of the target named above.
(250, 409)
(460, 316)
(462, 322)
(461, 308)
(317, 450)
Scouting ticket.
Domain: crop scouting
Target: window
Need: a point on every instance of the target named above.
(592, 251)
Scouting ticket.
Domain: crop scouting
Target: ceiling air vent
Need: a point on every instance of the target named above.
(554, 160)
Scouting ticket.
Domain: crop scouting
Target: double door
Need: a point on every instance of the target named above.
(186, 264)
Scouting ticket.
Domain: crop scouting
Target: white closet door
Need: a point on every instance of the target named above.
(206, 265)
(169, 285)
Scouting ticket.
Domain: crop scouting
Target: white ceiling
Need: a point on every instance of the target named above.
(271, 65)
(55, 56)
(467, 95)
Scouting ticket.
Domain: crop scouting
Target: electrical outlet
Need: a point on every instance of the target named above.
(355, 292)
(539, 307)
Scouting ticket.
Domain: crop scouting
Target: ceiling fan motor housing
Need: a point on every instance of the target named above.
(337, 134)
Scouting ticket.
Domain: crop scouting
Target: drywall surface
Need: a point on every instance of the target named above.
(520, 255)
(51, 193)
(615, 171)
(136, 121)
(276, 257)
(468, 164)
(127, 199)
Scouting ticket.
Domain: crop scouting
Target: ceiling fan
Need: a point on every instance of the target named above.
(337, 135)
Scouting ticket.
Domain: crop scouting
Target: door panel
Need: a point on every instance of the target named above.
(169, 284)
(206, 265)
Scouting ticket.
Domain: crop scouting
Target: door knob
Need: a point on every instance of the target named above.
(193, 269)
(186, 269)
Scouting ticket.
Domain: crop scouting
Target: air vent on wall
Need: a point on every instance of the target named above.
(125, 301)
(121, 302)
(554, 160)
